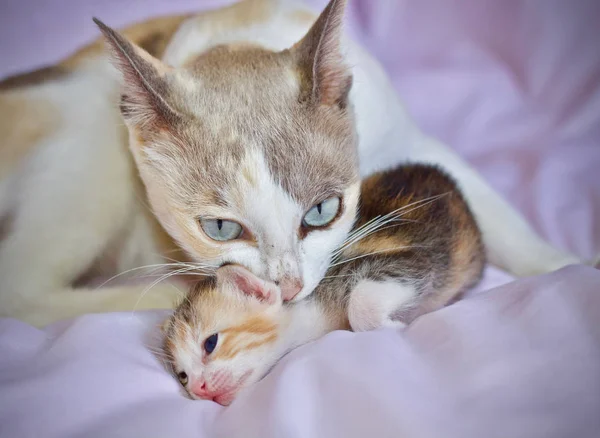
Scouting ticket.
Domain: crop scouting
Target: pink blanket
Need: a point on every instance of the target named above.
(515, 88)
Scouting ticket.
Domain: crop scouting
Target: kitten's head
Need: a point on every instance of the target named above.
(225, 335)
(248, 156)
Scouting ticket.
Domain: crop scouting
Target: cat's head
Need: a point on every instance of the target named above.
(248, 156)
(226, 335)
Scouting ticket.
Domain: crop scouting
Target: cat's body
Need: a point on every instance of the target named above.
(415, 248)
(73, 206)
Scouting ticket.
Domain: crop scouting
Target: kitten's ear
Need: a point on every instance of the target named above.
(145, 89)
(327, 79)
(249, 284)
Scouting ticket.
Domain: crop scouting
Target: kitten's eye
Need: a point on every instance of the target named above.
(221, 229)
(322, 213)
(211, 343)
(183, 378)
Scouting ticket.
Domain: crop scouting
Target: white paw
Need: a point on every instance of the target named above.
(372, 303)
(391, 323)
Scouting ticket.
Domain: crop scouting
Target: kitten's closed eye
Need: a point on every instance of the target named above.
(322, 213)
(221, 229)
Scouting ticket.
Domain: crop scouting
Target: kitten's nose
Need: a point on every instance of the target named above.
(198, 388)
(290, 287)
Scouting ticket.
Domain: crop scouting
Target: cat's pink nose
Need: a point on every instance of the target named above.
(290, 287)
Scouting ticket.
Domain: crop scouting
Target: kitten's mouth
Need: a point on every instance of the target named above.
(226, 398)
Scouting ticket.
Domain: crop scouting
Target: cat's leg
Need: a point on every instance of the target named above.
(47, 249)
(55, 305)
(377, 304)
(74, 197)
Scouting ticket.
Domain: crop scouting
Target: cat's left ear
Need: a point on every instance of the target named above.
(145, 97)
(249, 284)
(326, 78)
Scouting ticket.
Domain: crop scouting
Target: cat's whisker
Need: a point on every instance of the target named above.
(379, 222)
(155, 266)
(159, 280)
(375, 228)
(339, 276)
(355, 237)
(376, 220)
(187, 263)
(397, 248)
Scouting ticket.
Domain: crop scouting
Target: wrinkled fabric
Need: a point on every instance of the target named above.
(514, 87)
(521, 360)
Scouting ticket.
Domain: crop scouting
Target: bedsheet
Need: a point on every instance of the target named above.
(514, 87)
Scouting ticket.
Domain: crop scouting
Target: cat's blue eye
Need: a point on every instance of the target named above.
(211, 343)
(221, 229)
(322, 213)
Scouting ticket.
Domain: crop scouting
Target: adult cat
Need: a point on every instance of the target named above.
(245, 135)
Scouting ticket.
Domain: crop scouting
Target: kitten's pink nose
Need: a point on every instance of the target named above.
(290, 287)
(198, 388)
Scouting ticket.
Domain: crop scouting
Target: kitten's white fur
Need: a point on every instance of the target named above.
(372, 303)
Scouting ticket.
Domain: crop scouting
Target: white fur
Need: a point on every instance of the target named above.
(200, 33)
(75, 195)
(371, 304)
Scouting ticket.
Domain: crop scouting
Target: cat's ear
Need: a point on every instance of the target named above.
(326, 78)
(248, 284)
(145, 90)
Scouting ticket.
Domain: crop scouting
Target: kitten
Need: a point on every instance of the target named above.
(241, 123)
(416, 246)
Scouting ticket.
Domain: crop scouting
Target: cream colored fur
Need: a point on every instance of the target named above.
(74, 204)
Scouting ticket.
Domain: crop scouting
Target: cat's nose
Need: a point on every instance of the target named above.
(290, 287)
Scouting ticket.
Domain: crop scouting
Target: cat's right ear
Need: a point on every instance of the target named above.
(248, 284)
(145, 92)
(326, 78)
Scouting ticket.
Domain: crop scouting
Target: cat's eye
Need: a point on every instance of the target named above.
(221, 229)
(211, 343)
(183, 378)
(322, 213)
